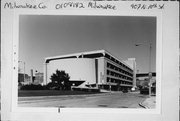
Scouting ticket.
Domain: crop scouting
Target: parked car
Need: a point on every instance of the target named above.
(124, 90)
(144, 90)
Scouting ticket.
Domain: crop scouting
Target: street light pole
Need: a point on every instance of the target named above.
(150, 74)
(24, 72)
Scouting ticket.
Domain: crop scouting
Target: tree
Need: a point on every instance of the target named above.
(60, 80)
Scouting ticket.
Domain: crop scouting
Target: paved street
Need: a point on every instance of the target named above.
(110, 100)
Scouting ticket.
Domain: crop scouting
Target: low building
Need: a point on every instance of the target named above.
(23, 79)
(98, 69)
(143, 79)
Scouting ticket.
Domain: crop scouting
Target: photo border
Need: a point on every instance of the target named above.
(157, 110)
(15, 113)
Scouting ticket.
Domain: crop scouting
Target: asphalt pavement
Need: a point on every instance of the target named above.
(103, 100)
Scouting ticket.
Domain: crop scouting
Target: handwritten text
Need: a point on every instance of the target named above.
(147, 6)
(26, 5)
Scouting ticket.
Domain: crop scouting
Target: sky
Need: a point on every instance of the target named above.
(42, 36)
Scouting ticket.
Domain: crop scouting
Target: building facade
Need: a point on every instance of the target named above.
(24, 79)
(143, 79)
(98, 69)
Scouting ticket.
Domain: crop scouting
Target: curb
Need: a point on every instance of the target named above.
(81, 95)
(65, 95)
(39, 98)
(144, 106)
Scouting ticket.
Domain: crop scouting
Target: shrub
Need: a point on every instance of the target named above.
(33, 87)
(60, 81)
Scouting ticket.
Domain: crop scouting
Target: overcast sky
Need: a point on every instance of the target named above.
(41, 36)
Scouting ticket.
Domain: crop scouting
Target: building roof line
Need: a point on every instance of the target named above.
(86, 52)
(75, 54)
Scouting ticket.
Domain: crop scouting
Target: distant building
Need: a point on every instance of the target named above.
(23, 78)
(38, 78)
(142, 75)
(143, 79)
(98, 69)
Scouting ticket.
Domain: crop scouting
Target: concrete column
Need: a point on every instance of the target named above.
(96, 71)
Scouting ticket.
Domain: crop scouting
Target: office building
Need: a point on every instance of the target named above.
(98, 69)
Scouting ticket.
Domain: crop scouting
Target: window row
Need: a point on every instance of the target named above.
(118, 81)
(118, 62)
(111, 73)
(111, 66)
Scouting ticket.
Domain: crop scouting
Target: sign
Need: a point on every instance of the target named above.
(150, 75)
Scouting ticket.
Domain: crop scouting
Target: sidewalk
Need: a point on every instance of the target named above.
(149, 103)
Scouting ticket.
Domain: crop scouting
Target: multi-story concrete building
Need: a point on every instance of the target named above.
(94, 69)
